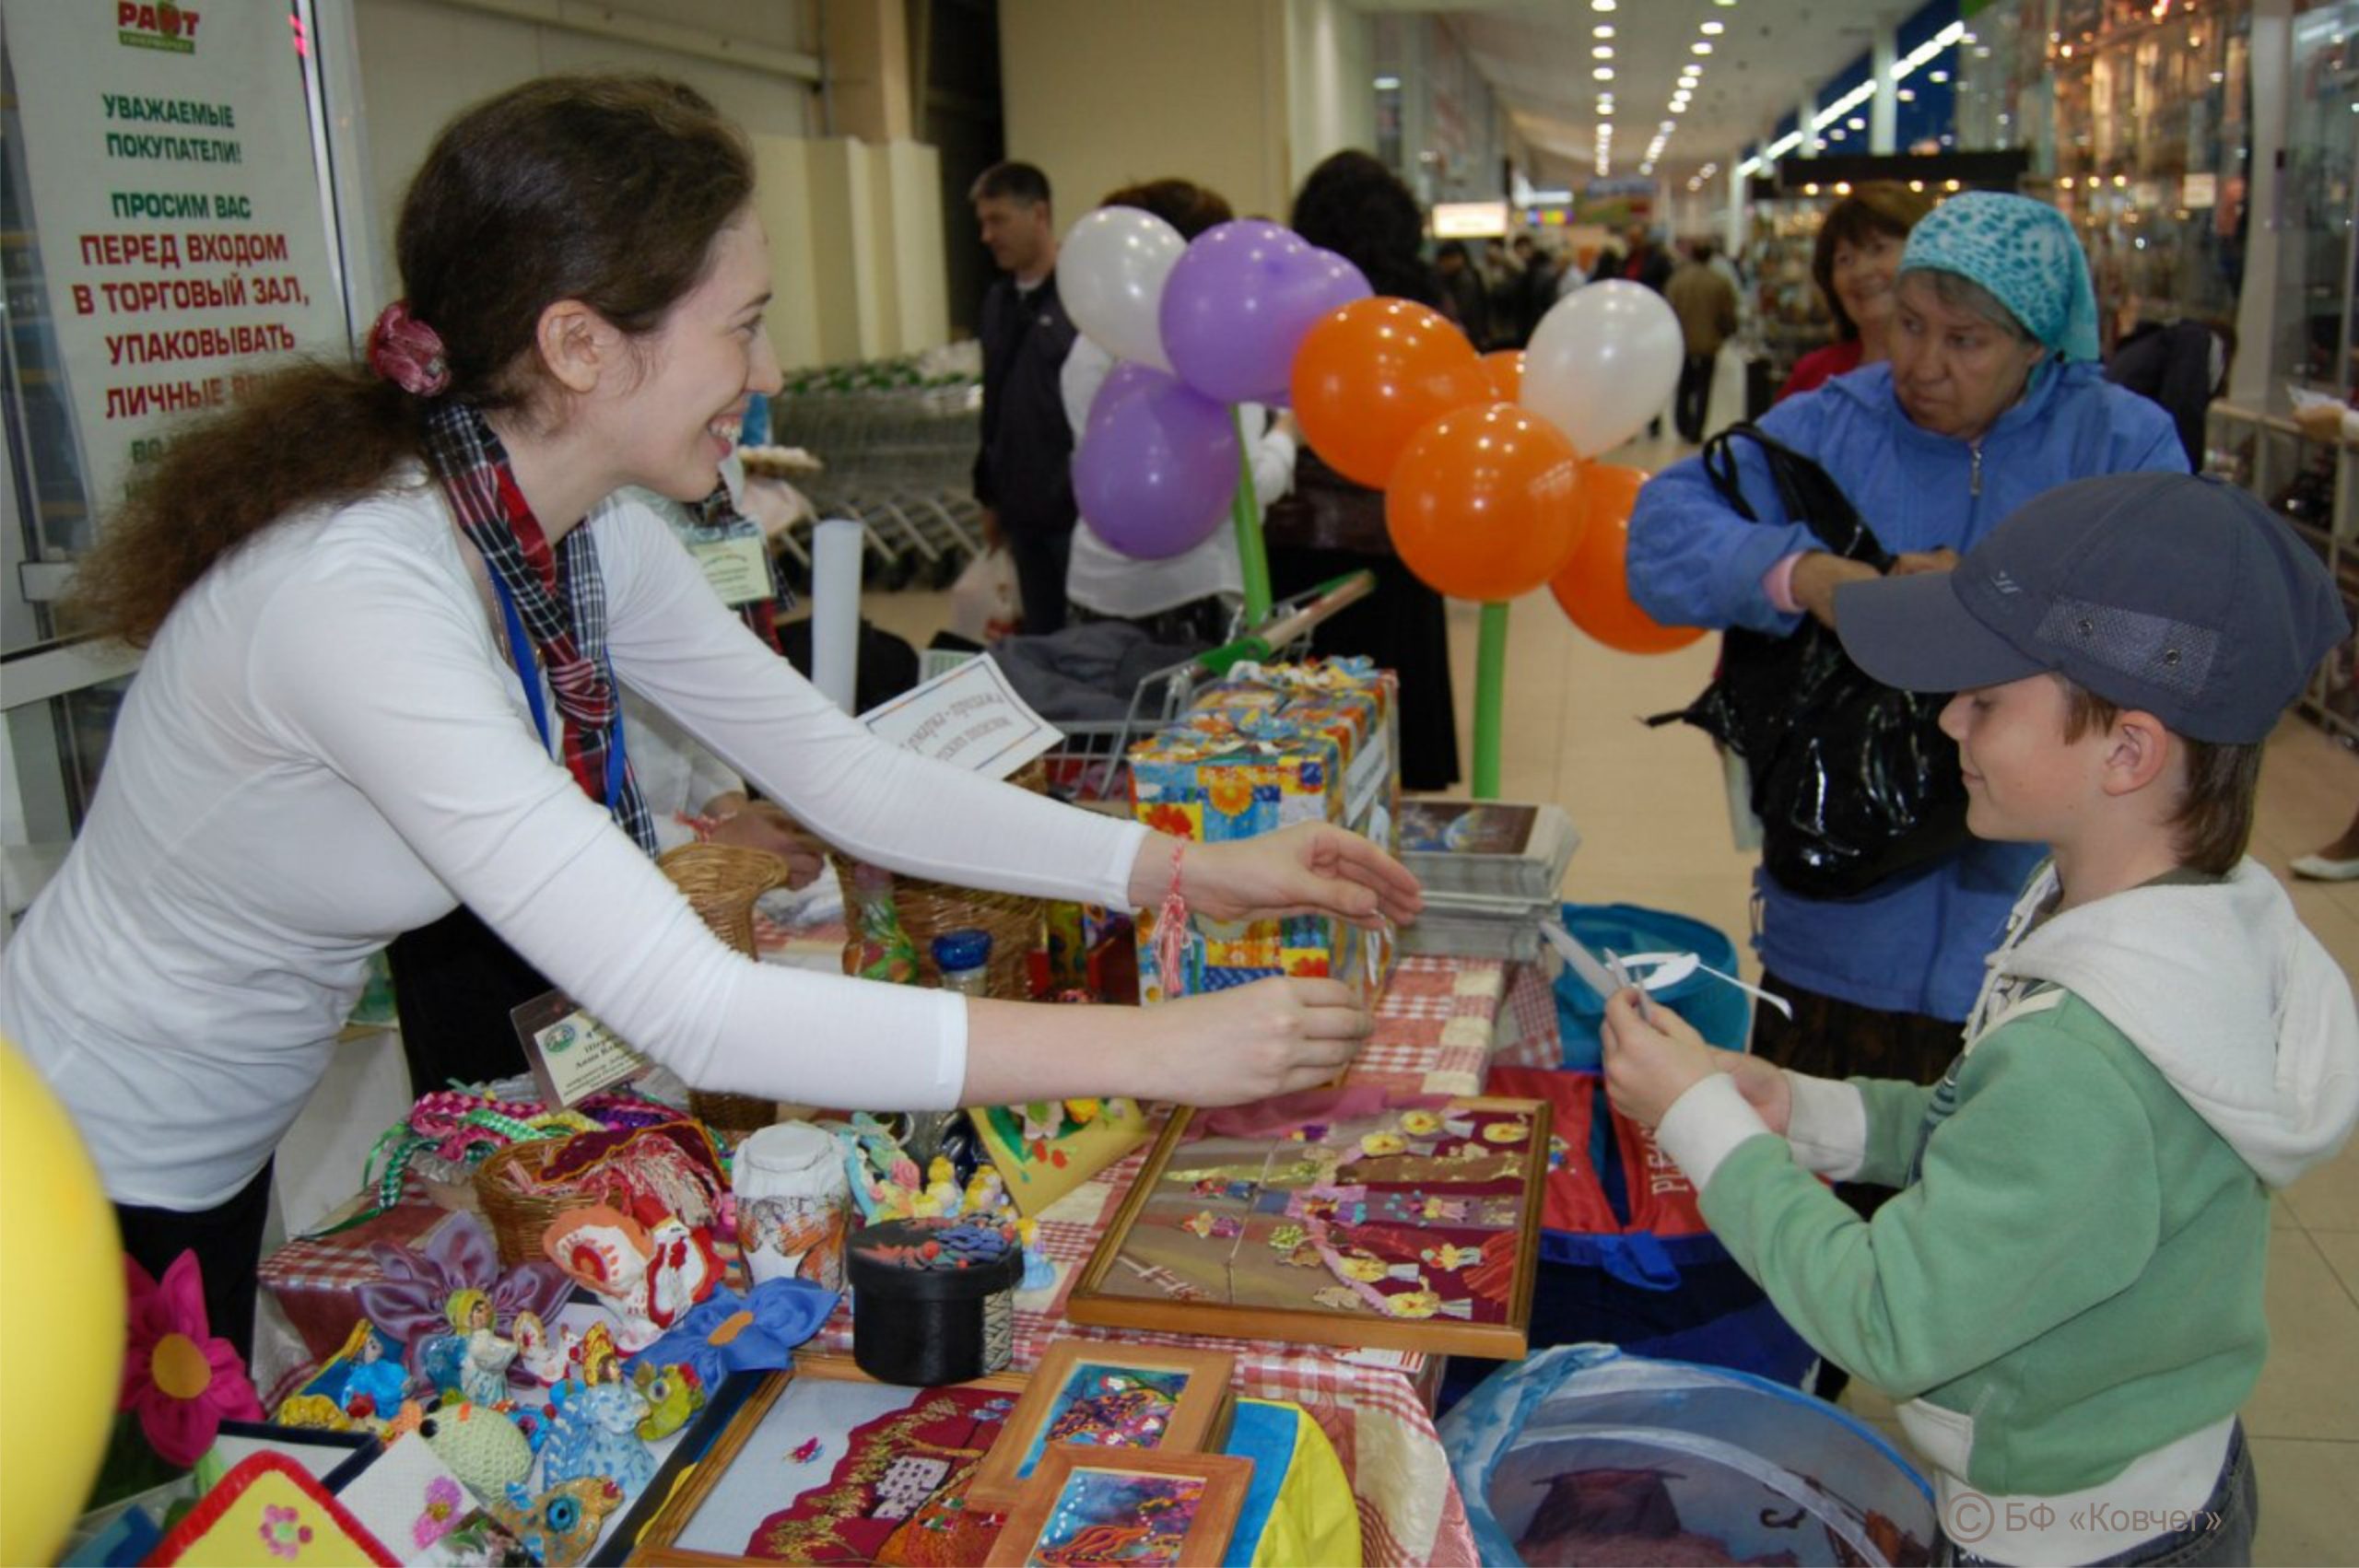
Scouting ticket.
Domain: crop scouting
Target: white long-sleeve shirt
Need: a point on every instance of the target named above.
(327, 745)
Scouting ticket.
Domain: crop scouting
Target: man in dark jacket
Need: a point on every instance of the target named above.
(1024, 474)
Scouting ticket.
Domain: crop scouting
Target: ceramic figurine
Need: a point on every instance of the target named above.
(1040, 1274)
(591, 1357)
(560, 1526)
(377, 1379)
(986, 1192)
(545, 1361)
(673, 1395)
(649, 1277)
(595, 1433)
(484, 1358)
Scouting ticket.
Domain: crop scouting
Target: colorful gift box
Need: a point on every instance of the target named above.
(1265, 749)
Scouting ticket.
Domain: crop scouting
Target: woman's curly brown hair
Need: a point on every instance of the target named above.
(608, 189)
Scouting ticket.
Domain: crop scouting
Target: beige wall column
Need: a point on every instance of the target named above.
(868, 92)
(1243, 96)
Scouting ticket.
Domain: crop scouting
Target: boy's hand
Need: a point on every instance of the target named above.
(1650, 1065)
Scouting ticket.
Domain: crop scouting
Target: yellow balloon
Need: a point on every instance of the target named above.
(61, 1318)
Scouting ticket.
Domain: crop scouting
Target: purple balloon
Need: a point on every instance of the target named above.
(1240, 301)
(1125, 380)
(1156, 467)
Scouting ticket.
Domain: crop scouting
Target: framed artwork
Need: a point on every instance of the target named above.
(1097, 1505)
(821, 1463)
(1352, 1217)
(1092, 1393)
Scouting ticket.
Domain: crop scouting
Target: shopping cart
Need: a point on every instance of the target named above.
(898, 440)
(1090, 764)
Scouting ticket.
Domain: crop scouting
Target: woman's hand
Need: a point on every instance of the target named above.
(1816, 577)
(1233, 1047)
(758, 824)
(1910, 563)
(1312, 868)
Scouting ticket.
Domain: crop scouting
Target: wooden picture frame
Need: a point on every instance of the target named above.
(1070, 1493)
(717, 1441)
(1190, 1385)
(1110, 1292)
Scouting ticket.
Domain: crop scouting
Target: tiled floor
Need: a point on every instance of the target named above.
(1652, 813)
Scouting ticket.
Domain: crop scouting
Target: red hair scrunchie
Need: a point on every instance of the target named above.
(407, 352)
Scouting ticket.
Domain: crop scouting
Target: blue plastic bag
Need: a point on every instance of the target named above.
(1580, 1453)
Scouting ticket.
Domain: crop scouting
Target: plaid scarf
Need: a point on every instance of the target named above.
(558, 594)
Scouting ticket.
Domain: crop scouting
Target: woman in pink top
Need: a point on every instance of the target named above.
(1857, 257)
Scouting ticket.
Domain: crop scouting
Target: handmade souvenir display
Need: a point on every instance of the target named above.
(1085, 1506)
(650, 1273)
(821, 1464)
(727, 1332)
(1344, 1217)
(269, 1509)
(933, 1300)
(561, 1525)
(412, 1302)
(1094, 1394)
(793, 1204)
(595, 1432)
(450, 1132)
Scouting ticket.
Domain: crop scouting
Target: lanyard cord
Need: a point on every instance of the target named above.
(528, 671)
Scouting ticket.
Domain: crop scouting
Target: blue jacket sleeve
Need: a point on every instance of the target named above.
(1694, 561)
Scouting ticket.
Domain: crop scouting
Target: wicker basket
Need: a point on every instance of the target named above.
(927, 909)
(517, 1219)
(720, 882)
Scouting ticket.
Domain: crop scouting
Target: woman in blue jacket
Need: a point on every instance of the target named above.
(1993, 394)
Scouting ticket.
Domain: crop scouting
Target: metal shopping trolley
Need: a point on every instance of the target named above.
(1090, 763)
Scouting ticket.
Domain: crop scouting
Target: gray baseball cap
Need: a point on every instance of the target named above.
(2181, 596)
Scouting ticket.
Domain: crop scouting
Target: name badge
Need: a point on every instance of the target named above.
(738, 567)
(572, 1055)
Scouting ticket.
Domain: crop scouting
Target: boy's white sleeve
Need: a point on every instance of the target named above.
(1828, 1126)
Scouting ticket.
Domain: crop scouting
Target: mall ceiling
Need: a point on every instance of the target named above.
(1751, 60)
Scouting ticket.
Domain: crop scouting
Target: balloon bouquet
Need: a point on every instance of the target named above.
(1485, 461)
(1195, 330)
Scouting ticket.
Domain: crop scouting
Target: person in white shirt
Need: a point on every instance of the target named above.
(380, 681)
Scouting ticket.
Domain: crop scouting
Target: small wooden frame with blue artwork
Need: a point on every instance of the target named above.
(1108, 1506)
(1108, 1395)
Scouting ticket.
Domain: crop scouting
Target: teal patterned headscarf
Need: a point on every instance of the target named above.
(2024, 254)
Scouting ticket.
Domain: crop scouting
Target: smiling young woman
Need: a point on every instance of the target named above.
(388, 611)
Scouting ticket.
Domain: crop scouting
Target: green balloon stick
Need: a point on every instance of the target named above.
(1490, 699)
(1246, 511)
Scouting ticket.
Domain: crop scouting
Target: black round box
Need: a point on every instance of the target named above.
(923, 1326)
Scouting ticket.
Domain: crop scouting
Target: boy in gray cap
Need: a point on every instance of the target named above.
(2067, 1289)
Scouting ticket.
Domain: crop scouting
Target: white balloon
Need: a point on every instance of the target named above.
(1111, 273)
(1602, 363)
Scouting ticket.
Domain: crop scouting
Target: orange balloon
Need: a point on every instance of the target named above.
(1485, 504)
(1505, 367)
(1593, 588)
(1373, 374)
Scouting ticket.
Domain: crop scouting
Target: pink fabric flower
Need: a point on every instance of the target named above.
(181, 1381)
(443, 1510)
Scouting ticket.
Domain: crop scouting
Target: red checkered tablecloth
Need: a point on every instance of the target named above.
(1528, 1035)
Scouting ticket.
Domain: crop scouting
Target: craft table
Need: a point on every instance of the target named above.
(1436, 1028)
